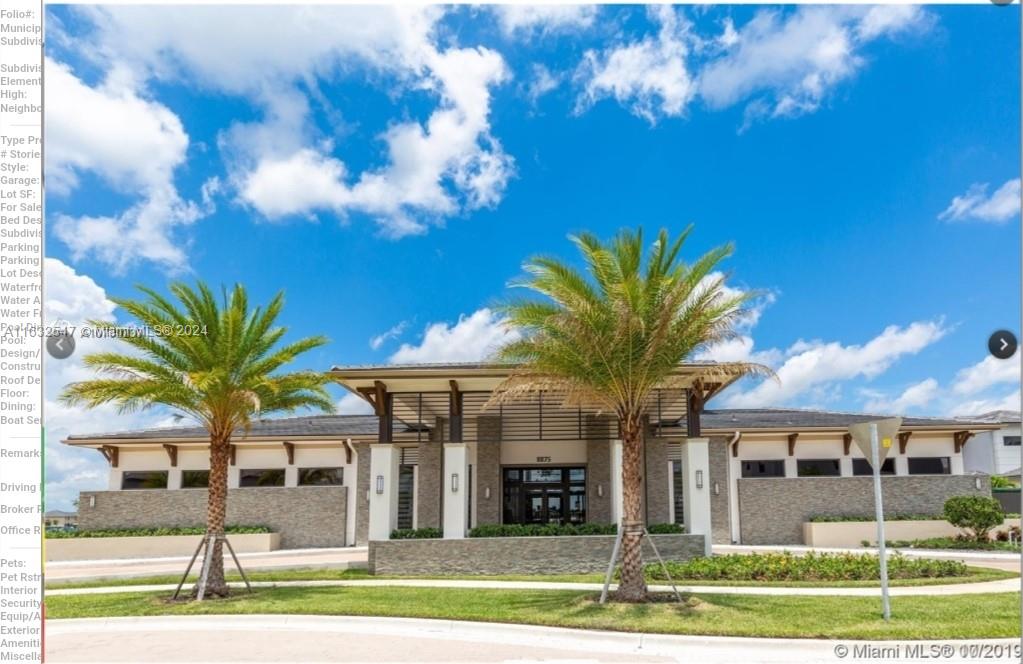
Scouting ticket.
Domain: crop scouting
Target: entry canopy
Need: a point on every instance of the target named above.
(887, 429)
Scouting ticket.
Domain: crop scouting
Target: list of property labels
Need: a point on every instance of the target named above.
(22, 336)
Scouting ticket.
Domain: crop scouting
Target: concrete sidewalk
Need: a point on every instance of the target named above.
(284, 638)
(1000, 586)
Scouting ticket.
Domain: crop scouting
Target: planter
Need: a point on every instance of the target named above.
(844, 534)
(576, 554)
(110, 548)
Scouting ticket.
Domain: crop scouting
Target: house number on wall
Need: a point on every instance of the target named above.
(543, 459)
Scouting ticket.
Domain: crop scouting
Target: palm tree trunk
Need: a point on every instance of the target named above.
(216, 515)
(633, 584)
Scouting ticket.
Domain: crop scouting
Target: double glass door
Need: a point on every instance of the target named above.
(544, 495)
(543, 505)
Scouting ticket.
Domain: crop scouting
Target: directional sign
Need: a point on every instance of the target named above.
(887, 430)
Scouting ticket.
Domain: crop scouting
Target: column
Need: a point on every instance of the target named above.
(174, 478)
(290, 476)
(845, 466)
(455, 489)
(901, 465)
(616, 481)
(696, 501)
(956, 464)
(383, 490)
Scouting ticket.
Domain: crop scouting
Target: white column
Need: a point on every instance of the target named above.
(383, 490)
(290, 476)
(456, 490)
(791, 469)
(845, 468)
(956, 464)
(351, 479)
(734, 473)
(174, 478)
(233, 477)
(114, 481)
(901, 465)
(696, 501)
(616, 481)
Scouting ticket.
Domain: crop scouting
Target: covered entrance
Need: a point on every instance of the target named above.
(544, 495)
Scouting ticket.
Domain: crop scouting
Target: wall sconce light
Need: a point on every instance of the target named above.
(380, 483)
(92, 501)
(717, 489)
(699, 479)
(600, 490)
(976, 483)
(486, 493)
(454, 482)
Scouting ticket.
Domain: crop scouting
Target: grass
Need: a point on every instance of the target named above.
(976, 574)
(946, 617)
(955, 544)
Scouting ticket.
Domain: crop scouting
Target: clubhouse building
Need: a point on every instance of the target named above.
(435, 454)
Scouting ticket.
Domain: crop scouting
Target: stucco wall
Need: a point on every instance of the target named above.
(772, 510)
(304, 516)
(515, 555)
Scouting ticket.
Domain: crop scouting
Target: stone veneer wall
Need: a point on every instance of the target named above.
(515, 555)
(598, 472)
(362, 494)
(428, 494)
(488, 469)
(772, 510)
(655, 492)
(720, 515)
(312, 516)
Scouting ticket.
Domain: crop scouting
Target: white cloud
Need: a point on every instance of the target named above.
(472, 338)
(915, 396)
(648, 76)
(527, 19)
(393, 333)
(353, 404)
(794, 60)
(542, 82)
(817, 365)
(74, 299)
(1009, 401)
(134, 145)
(448, 164)
(986, 373)
(976, 205)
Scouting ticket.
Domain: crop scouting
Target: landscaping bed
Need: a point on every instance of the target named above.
(152, 532)
(955, 544)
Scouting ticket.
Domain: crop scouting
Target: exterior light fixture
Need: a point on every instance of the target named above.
(976, 482)
(699, 479)
(486, 493)
(717, 489)
(92, 501)
(454, 482)
(380, 483)
(600, 490)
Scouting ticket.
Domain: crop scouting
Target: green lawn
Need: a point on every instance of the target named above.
(976, 574)
(947, 617)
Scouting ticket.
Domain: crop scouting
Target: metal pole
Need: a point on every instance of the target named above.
(611, 565)
(879, 516)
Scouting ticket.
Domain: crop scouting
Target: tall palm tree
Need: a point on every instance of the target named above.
(216, 361)
(609, 337)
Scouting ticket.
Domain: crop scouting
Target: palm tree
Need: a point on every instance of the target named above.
(217, 362)
(609, 338)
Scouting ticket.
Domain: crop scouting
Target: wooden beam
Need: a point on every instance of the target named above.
(960, 438)
(735, 446)
(455, 406)
(110, 452)
(904, 440)
(172, 454)
(792, 443)
(380, 397)
(348, 451)
(369, 394)
(233, 448)
(846, 443)
(694, 406)
(290, 449)
(712, 389)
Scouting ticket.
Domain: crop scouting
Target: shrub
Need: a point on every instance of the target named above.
(152, 532)
(978, 514)
(555, 530)
(665, 529)
(813, 566)
(1000, 482)
(416, 533)
(960, 543)
(842, 518)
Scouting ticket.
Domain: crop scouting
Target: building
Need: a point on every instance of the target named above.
(60, 519)
(996, 452)
(437, 454)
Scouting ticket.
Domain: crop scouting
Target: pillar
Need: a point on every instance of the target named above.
(696, 483)
(616, 481)
(456, 490)
(383, 490)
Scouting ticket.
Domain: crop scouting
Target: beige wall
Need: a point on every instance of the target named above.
(853, 533)
(113, 548)
(560, 452)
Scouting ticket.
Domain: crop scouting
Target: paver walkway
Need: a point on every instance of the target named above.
(282, 638)
(1000, 586)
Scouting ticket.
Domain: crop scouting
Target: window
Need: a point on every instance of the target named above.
(929, 466)
(677, 489)
(862, 467)
(817, 468)
(321, 476)
(773, 468)
(195, 479)
(144, 479)
(262, 477)
(406, 492)
(1010, 441)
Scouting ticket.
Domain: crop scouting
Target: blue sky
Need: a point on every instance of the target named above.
(391, 170)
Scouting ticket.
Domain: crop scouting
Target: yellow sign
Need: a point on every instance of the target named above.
(886, 442)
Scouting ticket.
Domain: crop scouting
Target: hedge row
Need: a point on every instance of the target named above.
(534, 530)
(152, 532)
(843, 518)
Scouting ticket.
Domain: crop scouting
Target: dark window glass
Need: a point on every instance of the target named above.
(321, 476)
(542, 475)
(677, 490)
(577, 474)
(817, 468)
(144, 479)
(406, 499)
(862, 467)
(1011, 441)
(262, 477)
(929, 466)
(195, 479)
(772, 468)
(512, 475)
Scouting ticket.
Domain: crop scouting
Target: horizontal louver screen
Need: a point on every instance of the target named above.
(409, 456)
(674, 451)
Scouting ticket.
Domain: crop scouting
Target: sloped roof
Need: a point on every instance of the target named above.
(307, 426)
(996, 416)
(733, 419)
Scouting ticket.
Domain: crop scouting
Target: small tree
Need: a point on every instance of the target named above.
(978, 514)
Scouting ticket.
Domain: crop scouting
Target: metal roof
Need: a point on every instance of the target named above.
(733, 419)
(307, 426)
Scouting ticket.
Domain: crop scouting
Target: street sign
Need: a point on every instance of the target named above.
(887, 431)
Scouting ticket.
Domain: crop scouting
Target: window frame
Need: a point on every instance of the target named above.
(870, 471)
(946, 463)
(780, 462)
(195, 470)
(837, 462)
(125, 476)
(241, 478)
(340, 475)
(1017, 441)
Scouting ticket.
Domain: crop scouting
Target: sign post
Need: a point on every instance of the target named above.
(874, 440)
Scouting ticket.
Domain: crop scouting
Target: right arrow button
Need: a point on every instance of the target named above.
(1002, 344)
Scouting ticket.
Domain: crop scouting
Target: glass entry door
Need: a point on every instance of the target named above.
(545, 495)
(543, 505)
